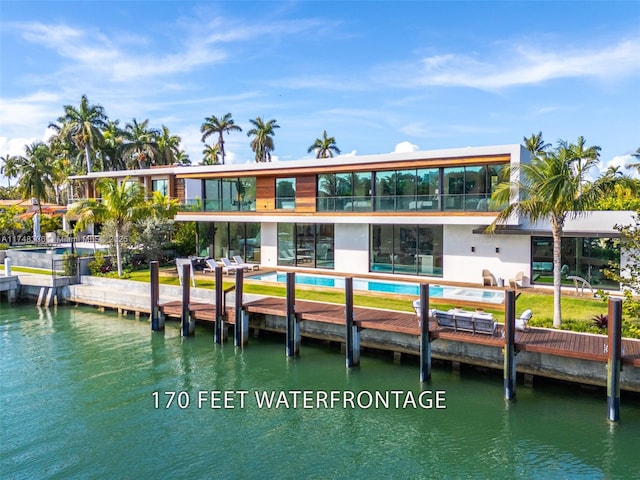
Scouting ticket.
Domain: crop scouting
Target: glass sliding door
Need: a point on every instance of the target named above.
(324, 245)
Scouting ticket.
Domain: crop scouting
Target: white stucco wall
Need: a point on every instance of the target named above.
(269, 244)
(463, 265)
(351, 248)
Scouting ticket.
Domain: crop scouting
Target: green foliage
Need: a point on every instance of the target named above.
(622, 198)
(184, 240)
(628, 274)
(50, 223)
(70, 264)
(10, 224)
(99, 264)
(154, 234)
(4, 246)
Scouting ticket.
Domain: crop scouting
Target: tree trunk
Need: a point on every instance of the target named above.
(556, 230)
(118, 257)
(87, 156)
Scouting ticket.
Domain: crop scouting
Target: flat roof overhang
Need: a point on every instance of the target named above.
(539, 232)
(394, 218)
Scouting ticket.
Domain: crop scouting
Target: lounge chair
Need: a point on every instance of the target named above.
(522, 323)
(488, 280)
(184, 261)
(228, 267)
(211, 265)
(241, 263)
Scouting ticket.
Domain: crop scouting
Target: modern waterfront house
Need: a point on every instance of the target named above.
(417, 214)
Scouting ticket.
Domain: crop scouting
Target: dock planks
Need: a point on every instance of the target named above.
(541, 340)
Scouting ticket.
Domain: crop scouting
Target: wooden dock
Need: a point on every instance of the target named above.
(538, 340)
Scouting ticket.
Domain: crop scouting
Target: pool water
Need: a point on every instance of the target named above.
(401, 288)
(56, 250)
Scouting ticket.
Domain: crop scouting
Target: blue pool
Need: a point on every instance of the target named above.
(383, 286)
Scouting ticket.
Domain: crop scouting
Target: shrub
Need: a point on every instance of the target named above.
(600, 321)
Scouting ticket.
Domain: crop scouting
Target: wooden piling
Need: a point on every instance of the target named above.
(218, 328)
(241, 330)
(352, 337)
(187, 324)
(292, 326)
(425, 334)
(157, 319)
(614, 357)
(509, 345)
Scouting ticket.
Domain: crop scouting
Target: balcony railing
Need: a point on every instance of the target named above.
(406, 203)
(198, 205)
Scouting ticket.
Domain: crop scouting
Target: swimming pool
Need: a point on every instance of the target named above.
(56, 250)
(447, 292)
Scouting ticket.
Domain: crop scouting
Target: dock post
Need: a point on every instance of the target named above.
(614, 358)
(425, 335)
(157, 320)
(509, 345)
(241, 332)
(218, 337)
(293, 328)
(352, 339)
(187, 324)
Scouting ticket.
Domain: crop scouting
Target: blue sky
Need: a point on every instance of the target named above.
(374, 75)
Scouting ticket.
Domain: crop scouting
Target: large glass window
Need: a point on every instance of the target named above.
(585, 257)
(230, 194)
(286, 193)
(161, 186)
(362, 191)
(386, 191)
(226, 239)
(306, 245)
(406, 249)
(428, 189)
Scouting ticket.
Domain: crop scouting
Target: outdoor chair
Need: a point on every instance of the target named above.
(488, 280)
(211, 265)
(520, 281)
(228, 268)
(241, 263)
(522, 323)
(183, 261)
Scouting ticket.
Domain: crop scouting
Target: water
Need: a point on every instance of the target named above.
(77, 402)
(402, 288)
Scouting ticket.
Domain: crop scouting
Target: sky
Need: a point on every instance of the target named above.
(379, 76)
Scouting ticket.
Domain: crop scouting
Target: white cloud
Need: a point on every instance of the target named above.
(523, 65)
(406, 147)
(620, 161)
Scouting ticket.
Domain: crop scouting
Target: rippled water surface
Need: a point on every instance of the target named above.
(77, 401)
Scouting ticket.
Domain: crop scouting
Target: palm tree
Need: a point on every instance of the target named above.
(583, 157)
(182, 158)
(168, 146)
(550, 188)
(121, 204)
(262, 143)
(217, 125)
(9, 168)
(113, 138)
(140, 148)
(163, 207)
(535, 144)
(635, 155)
(325, 147)
(37, 173)
(210, 155)
(83, 126)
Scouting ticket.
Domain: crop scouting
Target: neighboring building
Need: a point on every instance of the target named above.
(418, 214)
